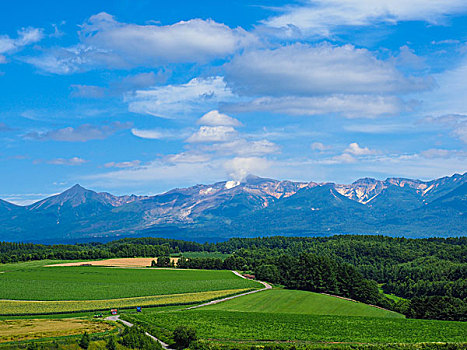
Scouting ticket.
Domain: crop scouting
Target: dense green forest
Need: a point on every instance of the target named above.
(428, 275)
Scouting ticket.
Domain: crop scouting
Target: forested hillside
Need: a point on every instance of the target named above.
(424, 278)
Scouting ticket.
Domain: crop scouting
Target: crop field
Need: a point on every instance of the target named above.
(221, 325)
(24, 307)
(300, 302)
(118, 262)
(19, 330)
(101, 283)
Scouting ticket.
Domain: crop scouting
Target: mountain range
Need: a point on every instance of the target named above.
(253, 207)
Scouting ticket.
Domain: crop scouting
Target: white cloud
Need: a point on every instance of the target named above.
(128, 164)
(214, 118)
(239, 167)
(349, 106)
(82, 133)
(213, 134)
(174, 101)
(242, 147)
(443, 153)
(118, 87)
(339, 159)
(321, 17)
(449, 97)
(355, 149)
(167, 172)
(456, 122)
(353, 153)
(105, 42)
(384, 128)
(159, 134)
(319, 146)
(67, 161)
(187, 157)
(305, 70)
(87, 91)
(409, 59)
(26, 36)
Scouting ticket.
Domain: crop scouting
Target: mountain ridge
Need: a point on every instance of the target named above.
(254, 206)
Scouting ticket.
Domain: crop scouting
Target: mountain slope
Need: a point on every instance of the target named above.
(253, 207)
(7, 207)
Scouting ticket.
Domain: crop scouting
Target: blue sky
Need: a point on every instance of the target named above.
(143, 96)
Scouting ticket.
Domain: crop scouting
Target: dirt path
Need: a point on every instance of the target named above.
(129, 324)
(266, 287)
(166, 346)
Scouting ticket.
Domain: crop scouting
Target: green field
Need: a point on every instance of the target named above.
(255, 326)
(27, 307)
(300, 302)
(33, 282)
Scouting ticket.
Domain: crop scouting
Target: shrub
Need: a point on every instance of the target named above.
(183, 336)
(84, 341)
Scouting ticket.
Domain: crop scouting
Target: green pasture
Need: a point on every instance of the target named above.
(300, 302)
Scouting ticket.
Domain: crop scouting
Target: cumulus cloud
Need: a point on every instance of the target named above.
(355, 149)
(213, 134)
(174, 101)
(214, 118)
(409, 59)
(239, 167)
(213, 151)
(105, 42)
(82, 133)
(306, 70)
(321, 17)
(222, 138)
(353, 153)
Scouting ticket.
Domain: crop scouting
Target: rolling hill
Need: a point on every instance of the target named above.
(301, 302)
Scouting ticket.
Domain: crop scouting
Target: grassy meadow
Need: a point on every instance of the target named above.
(300, 302)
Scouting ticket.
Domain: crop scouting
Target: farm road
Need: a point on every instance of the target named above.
(128, 324)
(266, 287)
(166, 346)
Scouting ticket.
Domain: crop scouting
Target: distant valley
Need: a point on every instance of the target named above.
(254, 207)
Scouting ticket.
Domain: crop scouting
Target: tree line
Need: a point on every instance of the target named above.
(429, 274)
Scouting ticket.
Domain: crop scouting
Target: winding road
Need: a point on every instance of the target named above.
(165, 345)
